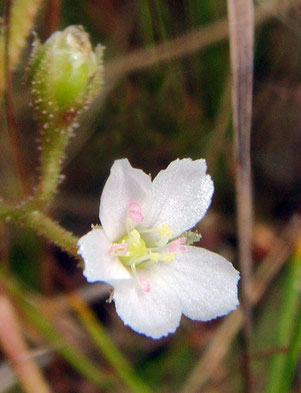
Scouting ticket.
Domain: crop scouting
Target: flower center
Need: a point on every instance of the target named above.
(143, 246)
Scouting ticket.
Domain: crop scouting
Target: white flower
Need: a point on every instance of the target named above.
(143, 252)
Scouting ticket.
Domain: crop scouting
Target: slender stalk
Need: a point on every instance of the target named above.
(45, 226)
(53, 150)
(241, 26)
(41, 224)
(16, 351)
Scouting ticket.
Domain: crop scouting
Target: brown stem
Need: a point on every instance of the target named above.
(52, 19)
(16, 351)
(9, 107)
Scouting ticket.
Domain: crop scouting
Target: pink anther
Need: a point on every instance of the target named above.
(144, 282)
(119, 249)
(135, 212)
(177, 245)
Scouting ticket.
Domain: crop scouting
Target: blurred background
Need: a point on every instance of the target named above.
(152, 110)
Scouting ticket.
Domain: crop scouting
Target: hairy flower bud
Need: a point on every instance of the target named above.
(65, 74)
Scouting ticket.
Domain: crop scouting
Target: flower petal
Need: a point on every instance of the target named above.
(206, 283)
(124, 185)
(182, 194)
(155, 313)
(99, 265)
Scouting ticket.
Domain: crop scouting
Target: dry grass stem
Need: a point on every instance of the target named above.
(16, 351)
(241, 27)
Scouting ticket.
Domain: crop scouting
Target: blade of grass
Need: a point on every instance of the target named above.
(23, 14)
(292, 358)
(290, 303)
(173, 78)
(9, 106)
(107, 347)
(74, 357)
(222, 121)
(146, 22)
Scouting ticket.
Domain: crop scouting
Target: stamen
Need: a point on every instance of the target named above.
(119, 249)
(168, 257)
(141, 279)
(144, 283)
(154, 256)
(177, 245)
(135, 212)
(165, 231)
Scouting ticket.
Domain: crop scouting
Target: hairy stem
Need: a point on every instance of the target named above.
(41, 224)
(53, 150)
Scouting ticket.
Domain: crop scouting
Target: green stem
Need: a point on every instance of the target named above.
(54, 143)
(45, 226)
(41, 224)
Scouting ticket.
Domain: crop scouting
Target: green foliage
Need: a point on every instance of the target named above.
(282, 364)
(152, 116)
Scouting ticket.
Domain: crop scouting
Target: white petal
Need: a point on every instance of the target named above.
(124, 185)
(155, 313)
(181, 195)
(99, 265)
(205, 282)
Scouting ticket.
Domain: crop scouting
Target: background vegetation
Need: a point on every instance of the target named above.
(155, 106)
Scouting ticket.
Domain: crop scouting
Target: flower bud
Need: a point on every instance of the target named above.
(65, 74)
